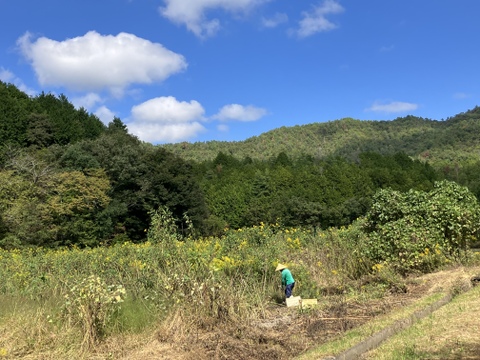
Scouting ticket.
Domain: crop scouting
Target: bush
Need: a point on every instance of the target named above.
(91, 303)
(419, 230)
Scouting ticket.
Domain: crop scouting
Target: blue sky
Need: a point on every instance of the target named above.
(200, 70)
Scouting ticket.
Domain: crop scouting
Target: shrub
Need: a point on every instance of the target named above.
(91, 303)
(419, 230)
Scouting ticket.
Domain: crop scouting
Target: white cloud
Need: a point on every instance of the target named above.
(315, 21)
(240, 112)
(165, 119)
(392, 107)
(162, 133)
(191, 13)
(87, 101)
(222, 127)
(167, 110)
(8, 77)
(275, 20)
(95, 62)
(104, 114)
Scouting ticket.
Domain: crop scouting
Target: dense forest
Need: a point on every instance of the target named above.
(67, 179)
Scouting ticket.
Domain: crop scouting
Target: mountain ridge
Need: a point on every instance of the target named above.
(421, 138)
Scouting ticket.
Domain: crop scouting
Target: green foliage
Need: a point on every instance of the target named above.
(438, 142)
(167, 180)
(303, 192)
(142, 178)
(42, 206)
(15, 106)
(67, 179)
(419, 230)
(214, 279)
(207, 282)
(43, 120)
(91, 302)
(163, 227)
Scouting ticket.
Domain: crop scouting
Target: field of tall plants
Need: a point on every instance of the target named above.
(69, 301)
(131, 287)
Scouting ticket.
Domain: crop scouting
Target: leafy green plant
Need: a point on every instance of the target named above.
(163, 227)
(91, 302)
(420, 230)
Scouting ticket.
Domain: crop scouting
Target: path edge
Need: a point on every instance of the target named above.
(375, 340)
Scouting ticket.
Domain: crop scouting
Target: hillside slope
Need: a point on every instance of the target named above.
(456, 139)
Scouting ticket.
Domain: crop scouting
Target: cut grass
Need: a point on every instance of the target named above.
(453, 281)
(356, 335)
(449, 333)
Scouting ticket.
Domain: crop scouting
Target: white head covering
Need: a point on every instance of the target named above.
(280, 267)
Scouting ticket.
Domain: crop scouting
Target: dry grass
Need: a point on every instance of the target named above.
(275, 333)
(29, 333)
(449, 333)
(422, 291)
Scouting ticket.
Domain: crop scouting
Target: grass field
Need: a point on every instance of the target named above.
(212, 298)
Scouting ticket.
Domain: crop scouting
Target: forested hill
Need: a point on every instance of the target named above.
(454, 140)
(43, 120)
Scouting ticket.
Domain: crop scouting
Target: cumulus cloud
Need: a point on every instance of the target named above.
(104, 114)
(240, 112)
(167, 109)
(191, 13)
(275, 20)
(87, 101)
(95, 62)
(162, 133)
(315, 21)
(392, 107)
(165, 119)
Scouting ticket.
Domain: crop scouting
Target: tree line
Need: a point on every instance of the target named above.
(304, 191)
(66, 179)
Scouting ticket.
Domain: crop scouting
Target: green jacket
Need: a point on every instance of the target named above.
(287, 277)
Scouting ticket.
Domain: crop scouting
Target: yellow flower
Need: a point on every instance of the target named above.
(137, 264)
(377, 267)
